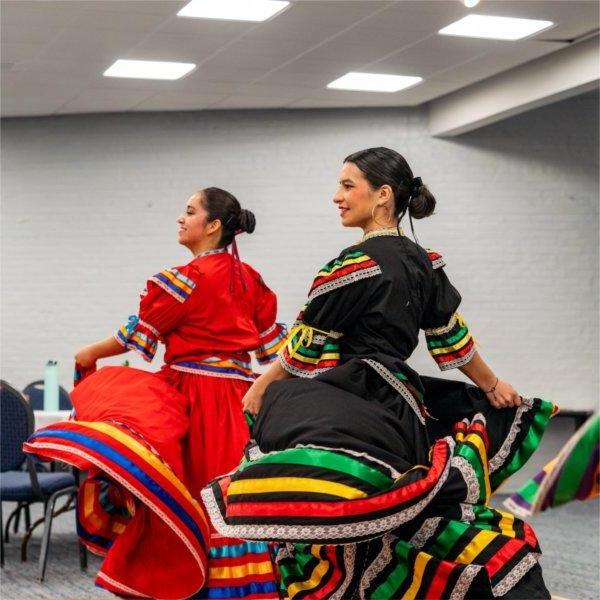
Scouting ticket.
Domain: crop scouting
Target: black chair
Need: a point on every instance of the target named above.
(34, 392)
(27, 486)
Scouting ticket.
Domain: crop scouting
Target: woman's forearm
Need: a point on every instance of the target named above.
(275, 372)
(109, 346)
(479, 372)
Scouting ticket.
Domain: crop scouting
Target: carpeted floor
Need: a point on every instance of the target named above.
(569, 537)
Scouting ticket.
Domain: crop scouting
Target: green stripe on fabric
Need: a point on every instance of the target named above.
(528, 446)
(400, 375)
(397, 577)
(338, 262)
(462, 332)
(327, 460)
(472, 456)
(483, 516)
(446, 540)
(312, 353)
(575, 467)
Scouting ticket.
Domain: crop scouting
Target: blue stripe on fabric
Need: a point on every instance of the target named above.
(203, 367)
(183, 295)
(131, 468)
(238, 550)
(98, 540)
(239, 591)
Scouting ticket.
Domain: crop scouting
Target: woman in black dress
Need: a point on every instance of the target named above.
(375, 479)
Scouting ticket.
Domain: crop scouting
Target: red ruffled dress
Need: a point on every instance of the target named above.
(151, 441)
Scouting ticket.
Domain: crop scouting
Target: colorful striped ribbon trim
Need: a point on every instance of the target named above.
(354, 266)
(175, 283)
(452, 345)
(271, 340)
(214, 366)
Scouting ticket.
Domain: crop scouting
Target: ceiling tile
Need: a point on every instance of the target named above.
(178, 101)
(251, 102)
(95, 100)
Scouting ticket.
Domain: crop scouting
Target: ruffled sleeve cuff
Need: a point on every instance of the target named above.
(139, 336)
(271, 342)
(309, 351)
(452, 345)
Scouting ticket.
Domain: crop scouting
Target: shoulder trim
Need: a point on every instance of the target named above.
(175, 283)
(437, 261)
(351, 267)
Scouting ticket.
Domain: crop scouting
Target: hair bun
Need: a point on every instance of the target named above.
(246, 221)
(422, 203)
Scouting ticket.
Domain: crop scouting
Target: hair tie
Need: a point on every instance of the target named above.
(415, 184)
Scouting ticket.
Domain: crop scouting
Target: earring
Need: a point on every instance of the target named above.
(384, 225)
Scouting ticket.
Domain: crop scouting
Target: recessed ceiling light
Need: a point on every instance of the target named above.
(470, 3)
(495, 28)
(373, 82)
(148, 69)
(233, 10)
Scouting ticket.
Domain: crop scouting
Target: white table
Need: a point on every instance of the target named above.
(47, 417)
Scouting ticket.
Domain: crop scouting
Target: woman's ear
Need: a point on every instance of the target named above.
(213, 226)
(385, 195)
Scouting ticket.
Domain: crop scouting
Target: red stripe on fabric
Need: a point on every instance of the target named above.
(330, 586)
(440, 580)
(503, 555)
(440, 456)
(530, 536)
(367, 264)
(244, 559)
(481, 430)
(133, 457)
(232, 581)
(441, 358)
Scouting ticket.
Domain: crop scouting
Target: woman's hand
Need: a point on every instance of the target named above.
(86, 357)
(252, 401)
(503, 395)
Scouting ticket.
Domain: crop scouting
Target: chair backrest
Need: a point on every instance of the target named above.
(34, 391)
(16, 424)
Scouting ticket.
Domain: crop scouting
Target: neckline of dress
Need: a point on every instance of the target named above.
(209, 252)
(390, 231)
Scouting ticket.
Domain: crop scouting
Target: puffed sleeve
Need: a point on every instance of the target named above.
(271, 334)
(449, 340)
(162, 308)
(338, 296)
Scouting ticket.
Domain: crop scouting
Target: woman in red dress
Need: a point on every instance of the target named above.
(151, 441)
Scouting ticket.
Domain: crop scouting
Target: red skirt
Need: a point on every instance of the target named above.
(149, 442)
(217, 431)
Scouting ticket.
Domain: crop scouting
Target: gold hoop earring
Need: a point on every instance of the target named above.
(384, 225)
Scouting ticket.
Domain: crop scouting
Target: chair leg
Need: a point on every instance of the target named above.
(27, 516)
(1, 540)
(83, 558)
(49, 514)
(17, 518)
(12, 515)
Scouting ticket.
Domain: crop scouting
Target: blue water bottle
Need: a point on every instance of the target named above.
(51, 386)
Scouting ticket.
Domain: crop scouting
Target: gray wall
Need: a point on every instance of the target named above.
(90, 202)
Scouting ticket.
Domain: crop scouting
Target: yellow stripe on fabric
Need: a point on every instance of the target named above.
(418, 570)
(345, 263)
(118, 528)
(454, 347)
(315, 578)
(477, 545)
(317, 360)
(478, 442)
(148, 456)
(294, 484)
(176, 281)
(506, 524)
(88, 504)
(241, 570)
(459, 436)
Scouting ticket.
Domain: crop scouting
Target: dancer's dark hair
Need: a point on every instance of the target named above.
(222, 205)
(383, 166)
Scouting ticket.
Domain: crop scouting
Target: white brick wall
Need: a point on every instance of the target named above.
(90, 202)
